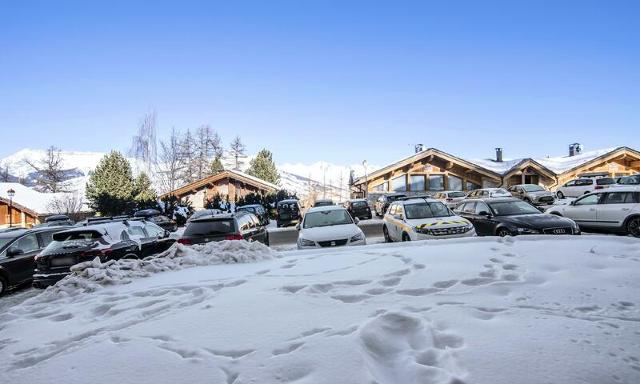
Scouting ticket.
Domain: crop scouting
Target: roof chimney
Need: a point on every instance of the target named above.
(499, 155)
(419, 148)
(575, 149)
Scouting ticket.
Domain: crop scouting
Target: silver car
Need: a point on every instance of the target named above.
(533, 194)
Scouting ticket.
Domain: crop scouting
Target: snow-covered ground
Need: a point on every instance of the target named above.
(479, 310)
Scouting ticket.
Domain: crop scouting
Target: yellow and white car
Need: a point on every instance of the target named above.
(421, 218)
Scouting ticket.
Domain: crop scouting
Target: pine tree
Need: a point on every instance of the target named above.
(143, 193)
(110, 185)
(237, 150)
(216, 166)
(263, 167)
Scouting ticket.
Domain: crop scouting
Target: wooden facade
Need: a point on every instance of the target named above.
(433, 170)
(20, 216)
(228, 183)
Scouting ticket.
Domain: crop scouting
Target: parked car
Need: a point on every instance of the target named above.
(288, 212)
(382, 203)
(422, 218)
(532, 194)
(107, 240)
(157, 218)
(257, 210)
(358, 208)
(18, 247)
(323, 203)
(488, 192)
(329, 227)
(615, 209)
(55, 221)
(629, 180)
(512, 216)
(450, 198)
(579, 187)
(241, 225)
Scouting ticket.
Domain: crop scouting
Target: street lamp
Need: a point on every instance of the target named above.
(11, 193)
(366, 183)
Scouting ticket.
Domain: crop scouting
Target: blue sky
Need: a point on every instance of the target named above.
(339, 81)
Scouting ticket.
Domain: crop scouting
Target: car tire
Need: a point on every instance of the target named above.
(502, 232)
(385, 233)
(560, 195)
(405, 236)
(130, 256)
(633, 226)
(3, 285)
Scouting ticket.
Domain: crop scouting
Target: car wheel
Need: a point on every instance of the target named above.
(405, 237)
(502, 232)
(385, 232)
(560, 195)
(130, 256)
(586, 192)
(3, 285)
(633, 226)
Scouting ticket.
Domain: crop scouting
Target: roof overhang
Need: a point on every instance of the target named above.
(209, 180)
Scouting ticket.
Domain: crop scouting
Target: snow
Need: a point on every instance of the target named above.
(30, 198)
(482, 310)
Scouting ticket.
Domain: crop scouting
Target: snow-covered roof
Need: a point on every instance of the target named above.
(256, 179)
(29, 198)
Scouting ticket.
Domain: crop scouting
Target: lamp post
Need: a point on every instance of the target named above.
(366, 182)
(11, 193)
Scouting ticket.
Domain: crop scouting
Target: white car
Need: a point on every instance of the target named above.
(616, 209)
(419, 218)
(488, 192)
(450, 198)
(329, 226)
(579, 187)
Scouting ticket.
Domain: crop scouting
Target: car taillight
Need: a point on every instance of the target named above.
(184, 241)
(234, 236)
(97, 252)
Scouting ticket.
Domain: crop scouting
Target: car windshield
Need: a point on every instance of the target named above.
(509, 208)
(426, 210)
(322, 203)
(288, 206)
(500, 191)
(359, 204)
(457, 194)
(210, 227)
(395, 197)
(327, 218)
(532, 188)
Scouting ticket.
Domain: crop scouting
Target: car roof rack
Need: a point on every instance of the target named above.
(415, 197)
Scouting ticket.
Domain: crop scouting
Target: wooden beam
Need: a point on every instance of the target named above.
(635, 163)
(449, 165)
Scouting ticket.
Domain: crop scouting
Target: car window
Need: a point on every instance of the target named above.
(605, 181)
(620, 198)
(154, 231)
(26, 244)
(588, 200)
(392, 209)
(570, 183)
(136, 231)
(469, 207)
(630, 180)
(481, 207)
(46, 238)
(584, 182)
(124, 236)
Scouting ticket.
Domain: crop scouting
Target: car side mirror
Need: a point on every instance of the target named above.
(13, 251)
(298, 227)
(356, 220)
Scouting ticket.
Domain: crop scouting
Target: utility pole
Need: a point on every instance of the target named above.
(366, 182)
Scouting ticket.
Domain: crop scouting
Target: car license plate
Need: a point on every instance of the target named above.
(559, 231)
(63, 261)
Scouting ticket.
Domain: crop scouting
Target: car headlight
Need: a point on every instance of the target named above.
(306, 243)
(423, 230)
(358, 237)
(469, 226)
(527, 231)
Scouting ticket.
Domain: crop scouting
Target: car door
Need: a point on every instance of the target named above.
(467, 210)
(483, 225)
(583, 210)
(21, 265)
(392, 221)
(615, 207)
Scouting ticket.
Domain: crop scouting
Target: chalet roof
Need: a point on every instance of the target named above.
(227, 173)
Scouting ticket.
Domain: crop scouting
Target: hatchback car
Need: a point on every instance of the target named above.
(288, 212)
(257, 210)
(532, 194)
(575, 188)
(488, 192)
(18, 247)
(382, 203)
(358, 208)
(106, 240)
(329, 227)
(450, 198)
(510, 216)
(157, 218)
(615, 209)
(241, 225)
(423, 218)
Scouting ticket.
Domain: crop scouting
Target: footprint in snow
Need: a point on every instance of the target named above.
(288, 349)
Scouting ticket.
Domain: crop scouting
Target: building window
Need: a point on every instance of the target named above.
(455, 183)
(399, 184)
(436, 183)
(471, 186)
(416, 183)
(382, 187)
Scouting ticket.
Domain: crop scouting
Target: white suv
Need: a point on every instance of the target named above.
(422, 218)
(616, 209)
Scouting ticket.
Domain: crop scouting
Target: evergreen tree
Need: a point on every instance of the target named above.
(214, 203)
(216, 166)
(110, 185)
(263, 167)
(143, 194)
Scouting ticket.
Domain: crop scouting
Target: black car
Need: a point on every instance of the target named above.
(229, 226)
(382, 203)
(18, 247)
(56, 221)
(107, 240)
(511, 216)
(358, 208)
(288, 212)
(257, 210)
(157, 218)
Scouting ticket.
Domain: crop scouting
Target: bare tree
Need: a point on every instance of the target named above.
(69, 204)
(50, 171)
(207, 147)
(237, 150)
(170, 166)
(4, 173)
(188, 157)
(144, 144)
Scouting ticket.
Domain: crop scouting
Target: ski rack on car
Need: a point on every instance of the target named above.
(425, 197)
(106, 219)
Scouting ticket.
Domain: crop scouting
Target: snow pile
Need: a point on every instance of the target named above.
(92, 275)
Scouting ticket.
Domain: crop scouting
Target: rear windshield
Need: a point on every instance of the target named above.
(457, 194)
(605, 181)
(71, 241)
(288, 206)
(210, 227)
(359, 204)
(395, 197)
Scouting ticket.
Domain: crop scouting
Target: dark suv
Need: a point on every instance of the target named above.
(257, 210)
(288, 212)
(107, 240)
(382, 204)
(157, 218)
(55, 221)
(358, 208)
(18, 248)
(228, 226)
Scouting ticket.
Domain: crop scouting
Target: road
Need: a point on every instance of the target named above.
(289, 235)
